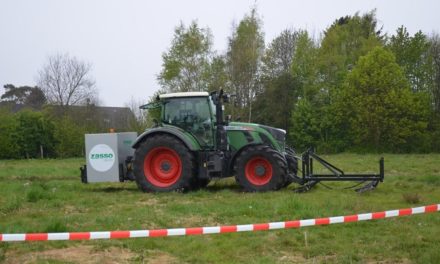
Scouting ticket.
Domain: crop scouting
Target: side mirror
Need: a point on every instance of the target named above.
(228, 118)
(226, 98)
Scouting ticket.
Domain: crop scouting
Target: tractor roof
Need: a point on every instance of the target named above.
(186, 94)
(157, 104)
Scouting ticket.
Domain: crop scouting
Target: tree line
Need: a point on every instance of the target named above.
(50, 119)
(353, 88)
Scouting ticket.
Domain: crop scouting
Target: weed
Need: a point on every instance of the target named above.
(412, 198)
(11, 206)
(56, 226)
(432, 179)
(37, 193)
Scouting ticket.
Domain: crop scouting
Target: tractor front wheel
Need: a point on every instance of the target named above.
(292, 165)
(162, 163)
(260, 168)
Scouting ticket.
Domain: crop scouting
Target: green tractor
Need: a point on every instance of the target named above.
(193, 143)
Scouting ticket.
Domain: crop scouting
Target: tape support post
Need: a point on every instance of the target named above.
(217, 229)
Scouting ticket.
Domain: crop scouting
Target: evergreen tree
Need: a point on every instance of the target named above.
(383, 113)
(34, 134)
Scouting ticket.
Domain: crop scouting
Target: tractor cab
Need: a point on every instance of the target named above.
(198, 114)
(193, 112)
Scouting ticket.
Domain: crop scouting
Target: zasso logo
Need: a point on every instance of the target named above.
(101, 157)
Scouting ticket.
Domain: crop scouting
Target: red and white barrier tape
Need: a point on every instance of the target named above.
(217, 229)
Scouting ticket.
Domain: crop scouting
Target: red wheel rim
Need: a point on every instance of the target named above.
(258, 171)
(162, 167)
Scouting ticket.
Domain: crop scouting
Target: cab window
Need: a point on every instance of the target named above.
(192, 115)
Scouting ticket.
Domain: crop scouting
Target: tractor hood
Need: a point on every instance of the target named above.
(278, 134)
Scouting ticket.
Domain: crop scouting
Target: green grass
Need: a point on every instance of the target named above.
(47, 196)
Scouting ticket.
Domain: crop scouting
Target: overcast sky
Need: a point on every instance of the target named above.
(124, 40)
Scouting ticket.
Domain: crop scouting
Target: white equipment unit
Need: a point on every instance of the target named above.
(106, 156)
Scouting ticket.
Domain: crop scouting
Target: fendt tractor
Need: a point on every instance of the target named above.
(193, 143)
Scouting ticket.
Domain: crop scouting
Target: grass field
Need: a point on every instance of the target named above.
(47, 196)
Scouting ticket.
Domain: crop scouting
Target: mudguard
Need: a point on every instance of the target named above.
(189, 140)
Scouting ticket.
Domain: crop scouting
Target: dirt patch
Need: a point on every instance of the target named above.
(159, 257)
(148, 202)
(292, 259)
(196, 221)
(299, 258)
(389, 261)
(81, 254)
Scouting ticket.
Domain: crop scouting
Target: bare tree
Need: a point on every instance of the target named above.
(142, 118)
(66, 81)
(139, 118)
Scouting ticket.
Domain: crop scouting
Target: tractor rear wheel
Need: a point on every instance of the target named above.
(260, 168)
(162, 163)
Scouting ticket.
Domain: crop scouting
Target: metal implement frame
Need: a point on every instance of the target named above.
(308, 175)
